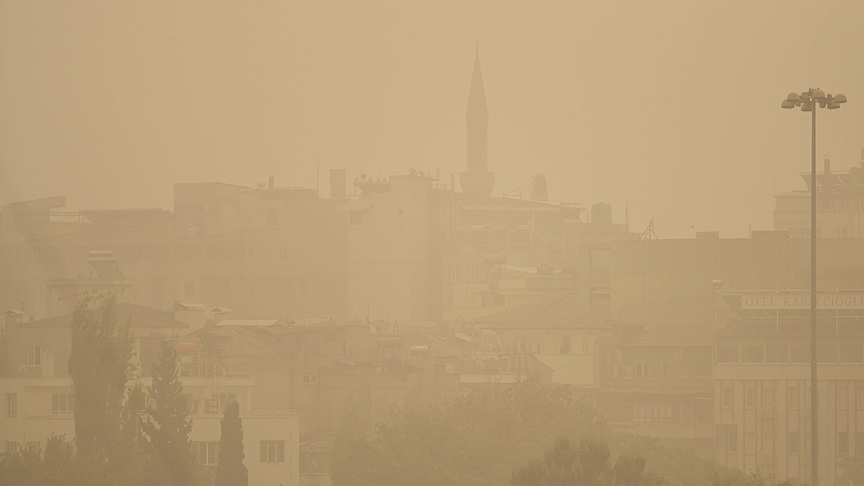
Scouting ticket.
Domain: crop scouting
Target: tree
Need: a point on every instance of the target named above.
(168, 424)
(853, 468)
(99, 367)
(475, 440)
(588, 464)
(230, 470)
(354, 447)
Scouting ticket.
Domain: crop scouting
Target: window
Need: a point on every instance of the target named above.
(310, 379)
(732, 441)
(11, 447)
(793, 398)
(566, 345)
(753, 353)
(777, 353)
(655, 413)
(517, 365)
(859, 398)
(793, 443)
(472, 273)
(842, 442)
(750, 397)
(800, 353)
(535, 347)
(768, 442)
(750, 443)
(586, 345)
(727, 397)
(206, 453)
(272, 451)
(355, 217)
(224, 399)
(11, 404)
(728, 353)
(62, 403)
(851, 353)
(842, 397)
(768, 397)
(641, 369)
(826, 353)
(34, 356)
(33, 447)
(665, 367)
(859, 441)
(452, 274)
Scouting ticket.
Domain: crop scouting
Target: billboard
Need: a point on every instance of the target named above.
(802, 301)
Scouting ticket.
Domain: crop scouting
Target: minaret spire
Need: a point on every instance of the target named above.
(477, 181)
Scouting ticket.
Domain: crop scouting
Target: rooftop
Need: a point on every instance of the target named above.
(563, 313)
(674, 336)
(136, 315)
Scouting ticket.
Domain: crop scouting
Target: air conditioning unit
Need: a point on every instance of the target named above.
(310, 379)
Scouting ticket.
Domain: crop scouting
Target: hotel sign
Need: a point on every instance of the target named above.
(802, 301)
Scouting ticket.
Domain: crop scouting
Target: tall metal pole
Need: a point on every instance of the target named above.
(814, 390)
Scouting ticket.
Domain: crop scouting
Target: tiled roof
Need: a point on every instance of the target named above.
(250, 322)
(440, 344)
(135, 315)
(562, 313)
(674, 336)
(237, 341)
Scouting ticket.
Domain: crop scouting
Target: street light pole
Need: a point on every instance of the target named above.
(814, 389)
(810, 101)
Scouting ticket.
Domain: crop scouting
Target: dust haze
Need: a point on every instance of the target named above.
(372, 243)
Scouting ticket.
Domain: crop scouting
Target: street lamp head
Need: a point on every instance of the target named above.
(818, 95)
(793, 98)
(807, 106)
(833, 106)
(787, 105)
(839, 98)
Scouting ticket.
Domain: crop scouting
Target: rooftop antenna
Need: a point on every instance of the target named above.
(649, 233)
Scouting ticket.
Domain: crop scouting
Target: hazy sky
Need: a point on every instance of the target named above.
(670, 107)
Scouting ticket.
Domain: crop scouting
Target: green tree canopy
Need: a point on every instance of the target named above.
(168, 424)
(474, 441)
(230, 470)
(100, 367)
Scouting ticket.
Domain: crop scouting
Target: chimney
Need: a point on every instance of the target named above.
(827, 165)
(337, 184)
(272, 182)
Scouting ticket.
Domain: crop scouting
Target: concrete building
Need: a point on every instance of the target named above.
(576, 348)
(839, 202)
(662, 387)
(762, 383)
(267, 251)
(678, 282)
(39, 402)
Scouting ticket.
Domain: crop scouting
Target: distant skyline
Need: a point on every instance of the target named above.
(671, 108)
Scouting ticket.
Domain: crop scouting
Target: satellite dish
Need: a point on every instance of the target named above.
(362, 177)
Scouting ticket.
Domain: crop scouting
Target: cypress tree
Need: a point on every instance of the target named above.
(168, 424)
(230, 471)
(99, 368)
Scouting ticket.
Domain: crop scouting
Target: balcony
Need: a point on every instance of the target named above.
(667, 430)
